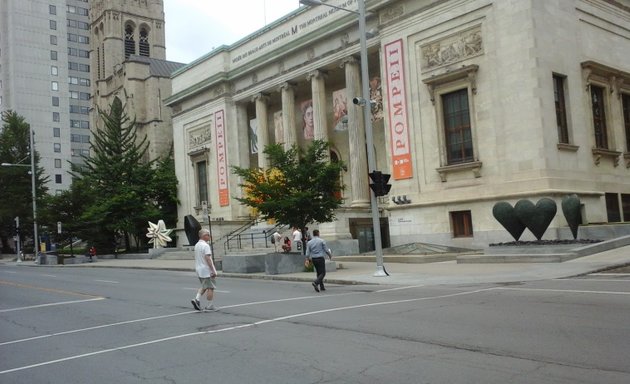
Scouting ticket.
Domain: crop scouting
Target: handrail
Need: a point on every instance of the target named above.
(238, 237)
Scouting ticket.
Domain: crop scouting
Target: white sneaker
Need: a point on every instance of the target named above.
(210, 307)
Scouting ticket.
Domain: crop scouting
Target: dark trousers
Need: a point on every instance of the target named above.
(320, 268)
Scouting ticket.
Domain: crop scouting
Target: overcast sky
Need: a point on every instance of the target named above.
(194, 27)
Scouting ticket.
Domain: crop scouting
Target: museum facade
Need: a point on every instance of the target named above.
(473, 102)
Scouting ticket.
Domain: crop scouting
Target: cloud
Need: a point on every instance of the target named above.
(195, 27)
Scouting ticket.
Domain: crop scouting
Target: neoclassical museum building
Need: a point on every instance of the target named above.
(473, 102)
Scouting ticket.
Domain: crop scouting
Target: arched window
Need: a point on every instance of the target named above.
(130, 44)
(144, 42)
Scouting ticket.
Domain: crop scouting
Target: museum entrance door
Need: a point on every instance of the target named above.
(362, 230)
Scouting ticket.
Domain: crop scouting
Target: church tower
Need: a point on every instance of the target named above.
(128, 57)
(121, 28)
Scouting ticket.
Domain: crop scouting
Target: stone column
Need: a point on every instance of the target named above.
(318, 90)
(242, 151)
(288, 114)
(263, 129)
(356, 136)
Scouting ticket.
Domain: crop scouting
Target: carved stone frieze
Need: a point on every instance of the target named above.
(199, 137)
(452, 49)
(391, 13)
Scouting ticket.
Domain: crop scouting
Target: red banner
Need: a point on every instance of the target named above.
(222, 167)
(397, 109)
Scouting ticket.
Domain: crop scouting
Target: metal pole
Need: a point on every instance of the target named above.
(17, 243)
(34, 195)
(367, 116)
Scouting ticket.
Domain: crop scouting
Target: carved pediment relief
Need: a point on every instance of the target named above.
(199, 135)
(452, 49)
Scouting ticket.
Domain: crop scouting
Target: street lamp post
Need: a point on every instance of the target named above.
(33, 192)
(367, 109)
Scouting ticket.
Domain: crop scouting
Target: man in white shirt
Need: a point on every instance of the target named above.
(297, 239)
(204, 266)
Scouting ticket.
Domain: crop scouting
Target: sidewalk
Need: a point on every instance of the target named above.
(438, 273)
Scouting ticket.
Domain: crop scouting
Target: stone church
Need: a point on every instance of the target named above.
(473, 102)
(128, 60)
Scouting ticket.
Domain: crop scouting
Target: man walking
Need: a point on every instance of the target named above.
(205, 271)
(316, 251)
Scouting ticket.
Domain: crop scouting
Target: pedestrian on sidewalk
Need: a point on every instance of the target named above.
(204, 266)
(316, 252)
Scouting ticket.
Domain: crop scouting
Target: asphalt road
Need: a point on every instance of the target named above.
(86, 325)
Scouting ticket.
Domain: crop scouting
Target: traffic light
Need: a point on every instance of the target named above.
(379, 183)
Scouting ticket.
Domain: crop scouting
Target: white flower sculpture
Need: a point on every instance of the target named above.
(158, 234)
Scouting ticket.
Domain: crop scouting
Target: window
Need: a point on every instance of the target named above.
(54, 70)
(57, 163)
(53, 55)
(57, 147)
(53, 40)
(72, 37)
(52, 9)
(599, 117)
(58, 179)
(75, 138)
(74, 94)
(625, 103)
(56, 132)
(144, 42)
(55, 101)
(130, 44)
(84, 96)
(53, 24)
(84, 39)
(56, 117)
(202, 182)
(85, 139)
(85, 125)
(452, 95)
(612, 208)
(54, 85)
(85, 82)
(75, 124)
(625, 206)
(457, 127)
(79, 109)
(461, 222)
(561, 113)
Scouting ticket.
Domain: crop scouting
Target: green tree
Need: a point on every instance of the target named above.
(299, 187)
(127, 191)
(15, 182)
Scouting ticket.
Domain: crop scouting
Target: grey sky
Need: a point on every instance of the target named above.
(195, 27)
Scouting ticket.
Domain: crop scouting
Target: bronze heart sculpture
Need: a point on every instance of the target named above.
(536, 217)
(571, 210)
(504, 213)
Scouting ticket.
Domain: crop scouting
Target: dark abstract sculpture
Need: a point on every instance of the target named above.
(504, 213)
(571, 210)
(191, 227)
(536, 217)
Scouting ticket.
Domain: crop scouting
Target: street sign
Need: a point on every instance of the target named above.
(59, 227)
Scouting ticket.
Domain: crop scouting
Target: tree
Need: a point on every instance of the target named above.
(127, 191)
(15, 182)
(300, 186)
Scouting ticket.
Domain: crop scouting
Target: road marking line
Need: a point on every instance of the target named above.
(562, 290)
(609, 274)
(400, 288)
(43, 274)
(605, 280)
(96, 327)
(237, 327)
(54, 290)
(50, 304)
(108, 281)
